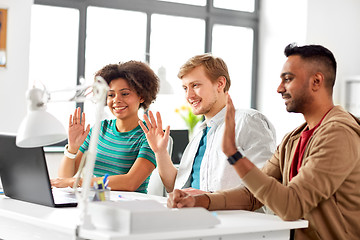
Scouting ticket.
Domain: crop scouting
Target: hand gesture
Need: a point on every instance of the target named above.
(228, 144)
(157, 138)
(77, 131)
(180, 199)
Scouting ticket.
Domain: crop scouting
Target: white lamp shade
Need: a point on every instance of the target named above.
(40, 128)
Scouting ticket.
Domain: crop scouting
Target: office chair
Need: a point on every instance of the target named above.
(156, 187)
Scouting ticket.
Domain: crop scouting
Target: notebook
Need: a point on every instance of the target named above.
(24, 175)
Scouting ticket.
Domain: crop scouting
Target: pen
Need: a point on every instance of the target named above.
(106, 180)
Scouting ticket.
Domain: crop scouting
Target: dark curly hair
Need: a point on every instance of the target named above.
(138, 75)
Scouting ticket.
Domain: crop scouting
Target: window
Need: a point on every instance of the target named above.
(116, 36)
(238, 59)
(53, 57)
(184, 38)
(242, 5)
(164, 33)
(192, 2)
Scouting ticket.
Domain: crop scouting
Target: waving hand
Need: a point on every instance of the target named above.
(157, 138)
(77, 130)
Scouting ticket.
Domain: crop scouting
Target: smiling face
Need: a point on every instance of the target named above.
(295, 86)
(122, 100)
(201, 93)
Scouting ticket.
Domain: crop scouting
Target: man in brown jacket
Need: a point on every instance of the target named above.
(315, 171)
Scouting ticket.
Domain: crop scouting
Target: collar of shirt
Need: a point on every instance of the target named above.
(214, 121)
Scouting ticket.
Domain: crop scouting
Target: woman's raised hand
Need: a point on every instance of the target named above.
(157, 138)
(77, 130)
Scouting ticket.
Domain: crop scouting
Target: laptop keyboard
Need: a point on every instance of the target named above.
(64, 195)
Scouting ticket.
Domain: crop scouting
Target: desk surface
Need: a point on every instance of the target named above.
(40, 222)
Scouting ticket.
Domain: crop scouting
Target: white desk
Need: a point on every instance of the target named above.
(21, 220)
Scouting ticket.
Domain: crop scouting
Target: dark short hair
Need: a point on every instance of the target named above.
(319, 54)
(138, 75)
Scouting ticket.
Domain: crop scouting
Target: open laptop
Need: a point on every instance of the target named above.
(24, 175)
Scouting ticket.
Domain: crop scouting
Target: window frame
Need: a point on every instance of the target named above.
(209, 13)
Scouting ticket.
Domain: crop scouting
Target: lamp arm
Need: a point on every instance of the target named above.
(88, 170)
(81, 95)
(99, 89)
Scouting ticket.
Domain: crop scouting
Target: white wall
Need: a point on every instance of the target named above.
(335, 24)
(281, 22)
(14, 78)
(332, 23)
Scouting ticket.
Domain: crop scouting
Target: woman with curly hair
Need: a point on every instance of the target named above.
(123, 151)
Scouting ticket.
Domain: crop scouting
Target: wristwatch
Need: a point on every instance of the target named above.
(234, 158)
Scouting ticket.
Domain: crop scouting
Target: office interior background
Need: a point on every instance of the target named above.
(54, 42)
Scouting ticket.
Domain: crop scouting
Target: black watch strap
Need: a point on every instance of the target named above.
(234, 158)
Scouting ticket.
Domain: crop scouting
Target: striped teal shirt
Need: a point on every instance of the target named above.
(117, 151)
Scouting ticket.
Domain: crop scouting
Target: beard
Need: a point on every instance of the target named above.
(299, 99)
(297, 104)
(204, 108)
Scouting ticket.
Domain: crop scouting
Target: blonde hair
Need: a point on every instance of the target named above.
(214, 67)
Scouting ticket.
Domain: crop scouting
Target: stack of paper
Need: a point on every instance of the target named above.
(144, 216)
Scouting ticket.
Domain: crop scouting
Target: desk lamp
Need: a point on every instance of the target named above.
(40, 128)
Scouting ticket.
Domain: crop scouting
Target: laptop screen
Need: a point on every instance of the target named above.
(24, 174)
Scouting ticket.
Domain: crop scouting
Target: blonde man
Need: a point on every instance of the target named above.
(203, 167)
